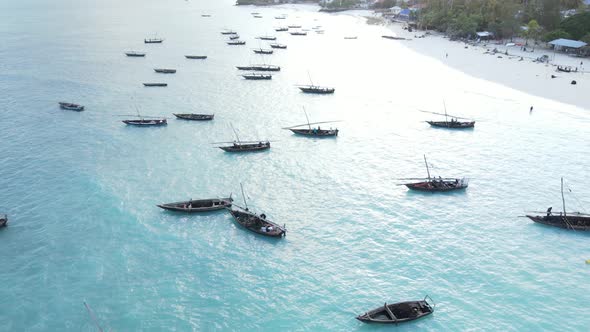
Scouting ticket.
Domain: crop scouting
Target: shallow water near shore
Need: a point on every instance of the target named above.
(81, 189)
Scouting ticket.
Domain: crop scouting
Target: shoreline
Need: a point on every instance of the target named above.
(517, 70)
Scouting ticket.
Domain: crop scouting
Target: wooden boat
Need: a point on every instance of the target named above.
(262, 51)
(399, 312)
(566, 69)
(453, 124)
(236, 42)
(228, 32)
(3, 220)
(256, 223)
(153, 40)
(433, 184)
(257, 16)
(196, 57)
(135, 54)
(314, 132)
(205, 15)
(146, 122)
(155, 84)
(267, 38)
(576, 221)
(234, 37)
(194, 117)
(252, 146)
(201, 205)
(280, 17)
(277, 45)
(295, 26)
(257, 76)
(281, 29)
(393, 37)
(164, 71)
(298, 33)
(261, 67)
(71, 107)
(351, 37)
(316, 89)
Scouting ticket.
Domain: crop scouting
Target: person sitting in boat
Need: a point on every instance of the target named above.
(259, 143)
(269, 229)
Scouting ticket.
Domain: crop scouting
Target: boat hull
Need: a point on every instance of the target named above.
(146, 123)
(71, 107)
(397, 312)
(452, 124)
(154, 84)
(437, 186)
(136, 55)
(195, 117)
(246, 147)
(256, 224)
(196, 57)
(316, 132)
(165, 71)
(317, 90)
(257, 77)
(570, 221)
(195, 206)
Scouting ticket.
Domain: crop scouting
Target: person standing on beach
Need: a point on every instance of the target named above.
(531, 110)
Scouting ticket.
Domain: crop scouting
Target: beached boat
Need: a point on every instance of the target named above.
(228, 32)
(281, 29)
(298, 33)
(201, 205)
(71, 107)
(261, 67)
(434, 184)
(153, 40)
(3, 220)
(576, 221)
(196, 57)
(164, 71)
(277, 45)
(135, 54)
(267, 38)
(313, 132)
(262, 51)
(155, 84)
(566, 69)
(256, 223)
(257, 76)
(454, 123)
(194, 117)
(236, 42)
(400, 312)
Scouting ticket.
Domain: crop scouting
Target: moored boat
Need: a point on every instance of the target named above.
(316, 89)
(267, 38)
(298, 33)
(153, 40)
(155, 84)
(3, 220)
(434, 184)
(257, 76)
(252, 146)
(277, 45)
(71, 107)
(201, 205)
(262, 51)
(314, 132)
(164, 71)
(454, 123)
(236, 42)
(228, 32)
(281, 29)
(399, 312)
(234, 37)
(146, 122)
(261, 67)
(294, 26)
(194, 117)
(575, 221)
(135, 54)
(197, 57)
(256, 223)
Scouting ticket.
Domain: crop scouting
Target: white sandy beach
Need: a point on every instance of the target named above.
(524, 75)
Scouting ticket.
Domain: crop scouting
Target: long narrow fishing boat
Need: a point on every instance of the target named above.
(253, 222)
(146, 122)
(196, 57)
(315, 89)
(194, 117)
(313, 132)
(236, 42)
(576, 221)
(294, 26)
(454, 123)
(393, 37)
(153, 40)
(257, 76)
(281, 29)
(400, 312)
(228, 32)
(3, 220)
(155, 84)
(246, 146)
(201, 205)
(164, 71)
(434, 184)
(135, 54)
(71, 107)
(298, 33)
(261, 67)
(267, 37)
(277, 45)
(262, 51)
(234, 37)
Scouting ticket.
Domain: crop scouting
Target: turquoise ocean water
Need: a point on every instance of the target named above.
(81, 188)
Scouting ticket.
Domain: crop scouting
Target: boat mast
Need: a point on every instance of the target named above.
(235, 132)
(446, 118)
(308, 124)
(427, 170)
(308, 75)
(562, 197)
(243, 196)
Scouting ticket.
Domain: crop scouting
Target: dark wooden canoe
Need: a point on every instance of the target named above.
(277, 45)
(164, 71)
(135, 54)
(315, 132)
(197, 57)
(194, 117)
(316, 89)
(236, 42)
(201, 205)
(228, 32)
(398, 312)
(256, 223)
(267, 38)
(146, 122)
(433, 185)
(3, 220)
(263, 51)
(574, 221)
(155, 84)
(234, 37)
(153, 41)
(260, 68)
(452, 124)
(71, 107)
(246, 147)
(255, 76)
